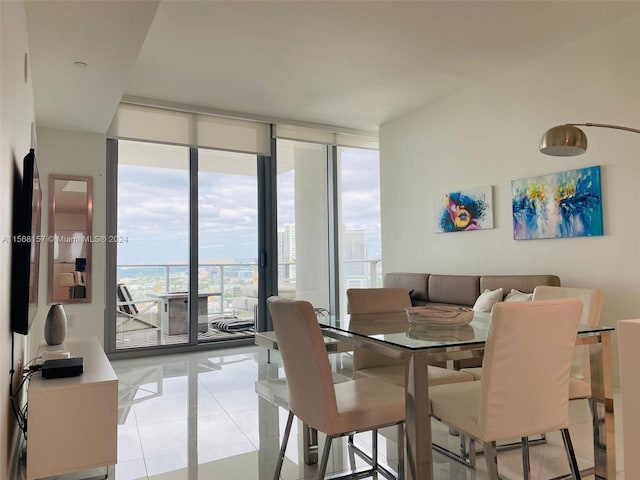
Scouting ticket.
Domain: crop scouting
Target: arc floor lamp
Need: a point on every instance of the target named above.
(568, 140)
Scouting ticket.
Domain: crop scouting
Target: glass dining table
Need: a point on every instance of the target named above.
(419, 346)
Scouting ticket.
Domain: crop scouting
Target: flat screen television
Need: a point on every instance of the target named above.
(25, 244)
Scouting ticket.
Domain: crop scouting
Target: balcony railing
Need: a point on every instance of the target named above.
(228, 278)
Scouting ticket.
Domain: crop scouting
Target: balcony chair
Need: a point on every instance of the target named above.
(521, 392)
(133, 315)
(335, 409)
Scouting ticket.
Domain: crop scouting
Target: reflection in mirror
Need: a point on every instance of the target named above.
(70, 219)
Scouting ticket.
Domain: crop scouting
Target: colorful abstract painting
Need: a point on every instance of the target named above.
(463, 210)
(565, 204)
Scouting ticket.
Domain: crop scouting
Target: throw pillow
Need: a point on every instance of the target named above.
(518, 296)
(487, 299)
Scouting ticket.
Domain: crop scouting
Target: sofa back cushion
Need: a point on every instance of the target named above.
(416, 283)
(454, 289)
(523, 283)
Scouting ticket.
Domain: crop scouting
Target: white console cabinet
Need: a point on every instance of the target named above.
(73, 422)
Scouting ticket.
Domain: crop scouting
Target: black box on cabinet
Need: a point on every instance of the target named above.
(63, 367)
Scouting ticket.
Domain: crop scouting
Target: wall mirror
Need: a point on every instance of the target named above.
(70, 238)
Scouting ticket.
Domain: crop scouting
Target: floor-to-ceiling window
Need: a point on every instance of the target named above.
(153, 264)
(152, 271)
(303, 239)
(218, 215)
(304, 187)
(227, 244)
(359, 220)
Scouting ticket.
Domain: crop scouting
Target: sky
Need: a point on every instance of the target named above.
(153, 203)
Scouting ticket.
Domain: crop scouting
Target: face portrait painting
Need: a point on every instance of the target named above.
(462, 211)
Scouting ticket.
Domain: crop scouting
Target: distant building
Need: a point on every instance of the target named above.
(355, 256)
(287, 252)
(355, 269)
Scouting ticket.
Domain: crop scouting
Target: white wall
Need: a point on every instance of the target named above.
(16, 118)
(66, 152)
(489, 135)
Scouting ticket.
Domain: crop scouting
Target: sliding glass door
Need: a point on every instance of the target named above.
(152, 272)
(227, 244)
(205, 235)
(156, 219)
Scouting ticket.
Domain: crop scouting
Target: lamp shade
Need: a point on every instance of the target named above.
(563, 141)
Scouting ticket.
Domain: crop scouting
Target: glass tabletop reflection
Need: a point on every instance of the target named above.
(396, 329)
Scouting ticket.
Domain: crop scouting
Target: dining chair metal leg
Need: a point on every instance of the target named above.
(374, 467)
(374, 448)
(526, 465)
(325, 457)
(401, 450)
(463, 456)
(571, 455)
(352, 450)
(472, 452)
(310, 444)
(491, 457)
(283, 447)
(467, 454)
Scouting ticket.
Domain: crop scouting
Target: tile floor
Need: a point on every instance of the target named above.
(197, 416)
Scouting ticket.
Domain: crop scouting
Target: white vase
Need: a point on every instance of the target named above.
(55, 325)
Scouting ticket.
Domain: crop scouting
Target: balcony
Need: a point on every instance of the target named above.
(227, 291)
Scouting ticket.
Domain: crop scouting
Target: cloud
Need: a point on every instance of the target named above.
(153, 209)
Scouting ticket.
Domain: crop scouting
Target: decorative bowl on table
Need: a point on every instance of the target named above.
(443, 316)
(456, 333)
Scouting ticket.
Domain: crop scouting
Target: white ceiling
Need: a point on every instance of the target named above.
(353, 64)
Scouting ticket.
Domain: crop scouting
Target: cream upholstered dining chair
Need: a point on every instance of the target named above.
(580, 380)
(370, 364)
(628, 340)
(521, 392)
(366, 363)
(334, 409)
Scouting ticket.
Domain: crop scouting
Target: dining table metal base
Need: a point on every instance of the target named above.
(419, 457)
(387, 335)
